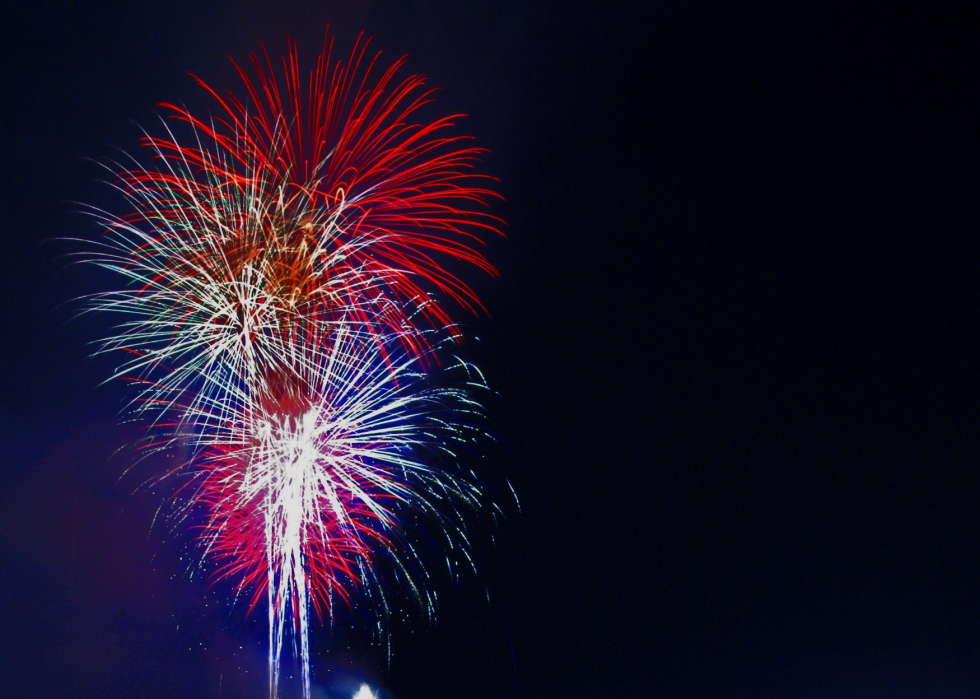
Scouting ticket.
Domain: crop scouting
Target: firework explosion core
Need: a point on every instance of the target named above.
(287, 302)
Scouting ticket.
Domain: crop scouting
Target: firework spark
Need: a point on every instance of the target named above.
(285, 271)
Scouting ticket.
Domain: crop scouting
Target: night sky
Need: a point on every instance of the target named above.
(735, 341)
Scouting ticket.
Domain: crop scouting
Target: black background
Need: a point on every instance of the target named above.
(735, 341)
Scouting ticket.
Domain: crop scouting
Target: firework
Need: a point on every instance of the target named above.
(290, 209)
(312, 484)
(286, 270)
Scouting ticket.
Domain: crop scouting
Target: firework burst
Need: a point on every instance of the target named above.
(286, 277)
(312, 484)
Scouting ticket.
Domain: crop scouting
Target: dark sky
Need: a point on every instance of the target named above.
(735, 341)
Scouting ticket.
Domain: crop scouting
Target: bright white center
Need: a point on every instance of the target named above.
(365, 693)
